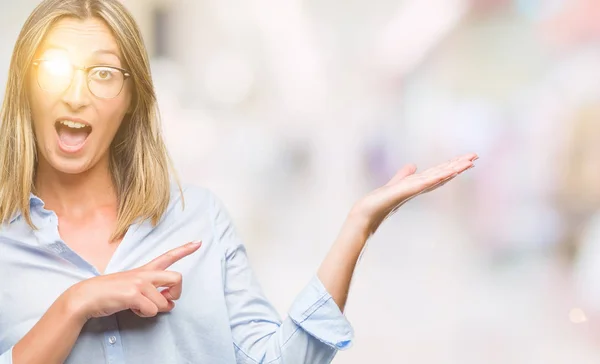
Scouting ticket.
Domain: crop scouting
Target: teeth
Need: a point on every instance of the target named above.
(72, 124)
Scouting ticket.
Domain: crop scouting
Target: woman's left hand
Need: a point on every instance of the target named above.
(381, 203)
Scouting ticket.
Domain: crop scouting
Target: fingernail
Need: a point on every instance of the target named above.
(195, 244)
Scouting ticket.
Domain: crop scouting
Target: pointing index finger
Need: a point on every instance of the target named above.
(167, 259)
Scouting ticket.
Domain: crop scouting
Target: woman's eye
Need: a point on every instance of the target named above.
(102, 74)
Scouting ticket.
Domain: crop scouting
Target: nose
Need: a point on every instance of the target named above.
(77, 95)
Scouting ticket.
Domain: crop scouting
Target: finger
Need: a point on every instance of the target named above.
(466, 157)
(431, 179)
(167, 259)
(163, 278)
(443, 171)
(172, 293)
(424, 182)
(462, 165)
(443, 181)
(440, 184)
(416, 191)
(450, 173)
(157, 298)
(469, 157)
(440, 167)
(404, 172)
(172, 280)
(144, 307)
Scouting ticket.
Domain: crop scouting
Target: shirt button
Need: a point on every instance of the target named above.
(112, 340)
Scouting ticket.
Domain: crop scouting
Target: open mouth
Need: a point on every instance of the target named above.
(72, 134)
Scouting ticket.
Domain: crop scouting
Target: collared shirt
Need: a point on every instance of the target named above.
(222, 316)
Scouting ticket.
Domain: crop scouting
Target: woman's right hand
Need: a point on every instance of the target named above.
(135, 289)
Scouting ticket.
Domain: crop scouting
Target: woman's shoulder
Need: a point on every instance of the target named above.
(195, 197)
(196, 203)
(191, 195)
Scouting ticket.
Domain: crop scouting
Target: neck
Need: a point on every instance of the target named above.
(76, 194)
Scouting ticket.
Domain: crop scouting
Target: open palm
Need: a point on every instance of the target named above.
(406, 184)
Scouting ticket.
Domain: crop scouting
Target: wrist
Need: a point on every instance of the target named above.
(354, 232)
(73, 306)
(359, 222)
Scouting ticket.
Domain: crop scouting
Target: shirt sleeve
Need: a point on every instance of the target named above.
(314, 330)
(6, 357)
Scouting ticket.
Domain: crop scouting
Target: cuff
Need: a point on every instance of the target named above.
(6, 357)
(316, 313)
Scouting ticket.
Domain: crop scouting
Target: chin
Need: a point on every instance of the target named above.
(71, 168)
(70, 165)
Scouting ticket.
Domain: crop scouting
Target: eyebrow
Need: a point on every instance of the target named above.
(107, 51)
(96, 52)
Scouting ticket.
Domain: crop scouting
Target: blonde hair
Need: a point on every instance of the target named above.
(139, 161)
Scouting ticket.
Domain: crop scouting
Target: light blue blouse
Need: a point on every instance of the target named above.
(222, 316)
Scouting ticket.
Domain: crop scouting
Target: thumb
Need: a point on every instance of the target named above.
(404, 172)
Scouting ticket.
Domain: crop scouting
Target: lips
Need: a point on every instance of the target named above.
(72, 133)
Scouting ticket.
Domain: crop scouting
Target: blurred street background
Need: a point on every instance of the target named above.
(291, 110)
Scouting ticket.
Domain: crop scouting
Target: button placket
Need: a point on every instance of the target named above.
(112, 339)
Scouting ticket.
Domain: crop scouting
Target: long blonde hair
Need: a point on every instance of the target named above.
(139, 161)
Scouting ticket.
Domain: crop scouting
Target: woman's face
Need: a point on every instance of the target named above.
(73, 126)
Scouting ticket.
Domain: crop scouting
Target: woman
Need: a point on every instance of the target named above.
(93, 233)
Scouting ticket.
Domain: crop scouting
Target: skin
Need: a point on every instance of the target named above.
(79, 189)
(369, 212)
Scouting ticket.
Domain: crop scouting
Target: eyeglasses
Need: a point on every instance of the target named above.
(55, 76)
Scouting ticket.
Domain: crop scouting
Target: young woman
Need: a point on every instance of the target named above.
(92, 247)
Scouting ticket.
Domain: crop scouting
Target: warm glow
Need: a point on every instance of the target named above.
(577, 316)
(57, 66)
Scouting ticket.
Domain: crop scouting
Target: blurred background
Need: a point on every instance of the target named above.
(291, 110)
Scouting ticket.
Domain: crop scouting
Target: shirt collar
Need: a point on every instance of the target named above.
(34, 202)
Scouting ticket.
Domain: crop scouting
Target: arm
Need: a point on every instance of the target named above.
(338, 266)
(336, 270)
(52, 337)
(314, 330)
